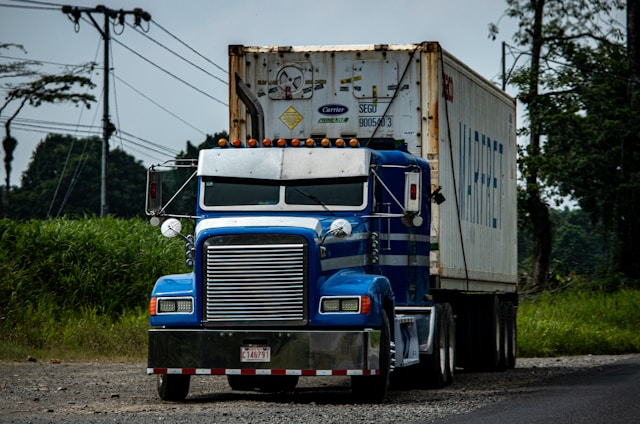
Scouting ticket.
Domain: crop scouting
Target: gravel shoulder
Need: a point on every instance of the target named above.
(108, 392)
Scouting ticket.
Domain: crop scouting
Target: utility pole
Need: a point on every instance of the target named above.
(75, 13)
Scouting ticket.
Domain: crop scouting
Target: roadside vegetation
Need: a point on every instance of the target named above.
(79, 290)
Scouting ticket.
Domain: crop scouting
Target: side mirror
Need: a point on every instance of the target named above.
(412, 192)
(171, 228)
(153, 204)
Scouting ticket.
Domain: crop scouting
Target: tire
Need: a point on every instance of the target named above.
(450, 321)
(511, 336)
(433, 367)
(372, 389)
(173, 387)
(492, 342)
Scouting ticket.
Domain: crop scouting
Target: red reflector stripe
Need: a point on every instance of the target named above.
(235, 371)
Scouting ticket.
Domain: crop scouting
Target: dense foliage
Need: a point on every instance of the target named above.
(105, 264)
(63, 179)
(583, 124)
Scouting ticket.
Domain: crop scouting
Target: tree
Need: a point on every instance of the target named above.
(63, 178)
(551, 32)
(45, 88)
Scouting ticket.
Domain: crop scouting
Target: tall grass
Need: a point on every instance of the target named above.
(80, 285)
(579, 322)
(79, 289)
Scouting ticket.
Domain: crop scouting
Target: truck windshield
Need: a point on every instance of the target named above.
(221, 192)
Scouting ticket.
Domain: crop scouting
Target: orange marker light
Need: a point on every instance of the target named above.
(365, 304)
(266, 142)
(310, 142)
(282, 142)
(152, 305)
(353, 142)
(252, 142)
(340, 142)
(325, 142)
(236, 142)
(295, 142)
(223, 142)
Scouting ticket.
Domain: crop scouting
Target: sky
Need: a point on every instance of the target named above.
(158, 101)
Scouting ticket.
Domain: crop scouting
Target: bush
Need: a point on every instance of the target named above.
(75, 281)
(576, 323)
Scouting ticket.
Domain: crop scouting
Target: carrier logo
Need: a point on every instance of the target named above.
(333, 109)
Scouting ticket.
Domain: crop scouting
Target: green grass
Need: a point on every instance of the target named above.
(79, 290)
(577, 323)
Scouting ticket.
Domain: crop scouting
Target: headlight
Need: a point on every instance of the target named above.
(345, 304)
(171, 305)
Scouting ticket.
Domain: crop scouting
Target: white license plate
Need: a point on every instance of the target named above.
(255, 354)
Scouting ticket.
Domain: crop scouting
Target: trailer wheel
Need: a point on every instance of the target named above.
(372, 389)
(511, 335)
(173, 387)
(450, 320)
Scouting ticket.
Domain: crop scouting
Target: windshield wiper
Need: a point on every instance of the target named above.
(315, 199)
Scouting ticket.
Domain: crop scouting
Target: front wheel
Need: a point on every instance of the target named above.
(173, 387)
(373, 389)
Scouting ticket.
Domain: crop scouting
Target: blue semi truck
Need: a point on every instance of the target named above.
(360, 221)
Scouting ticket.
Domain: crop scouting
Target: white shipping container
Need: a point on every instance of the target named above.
(417, 94)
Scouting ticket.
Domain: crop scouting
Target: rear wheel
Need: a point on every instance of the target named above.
(451, 342)
(173, 387)
(511, 335)
(434, 366)
(373, 389)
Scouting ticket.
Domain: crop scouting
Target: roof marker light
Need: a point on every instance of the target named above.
(310, 142)
(325, 142)
(223, 143)
(236, 142)
(340, 142)
(354, 142)
(266, 142)
(252, 142)
(295, 142)
(282, 142)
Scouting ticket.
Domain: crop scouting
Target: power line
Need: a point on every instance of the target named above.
(41, 126)
(156, 103)
(15, 6)
(188, 46)
(171, 74)
(178, 55)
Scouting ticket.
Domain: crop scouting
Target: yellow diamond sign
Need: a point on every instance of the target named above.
(291, 117)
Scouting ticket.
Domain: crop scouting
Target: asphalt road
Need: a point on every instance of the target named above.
(608, 394)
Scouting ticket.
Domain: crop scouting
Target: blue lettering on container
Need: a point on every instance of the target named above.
(481, 175)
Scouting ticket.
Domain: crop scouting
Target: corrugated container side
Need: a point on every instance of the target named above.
(472, 149)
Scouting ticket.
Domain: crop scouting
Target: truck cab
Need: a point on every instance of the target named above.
(302, 256)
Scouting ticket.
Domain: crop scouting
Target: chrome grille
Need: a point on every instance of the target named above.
(255, 283)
